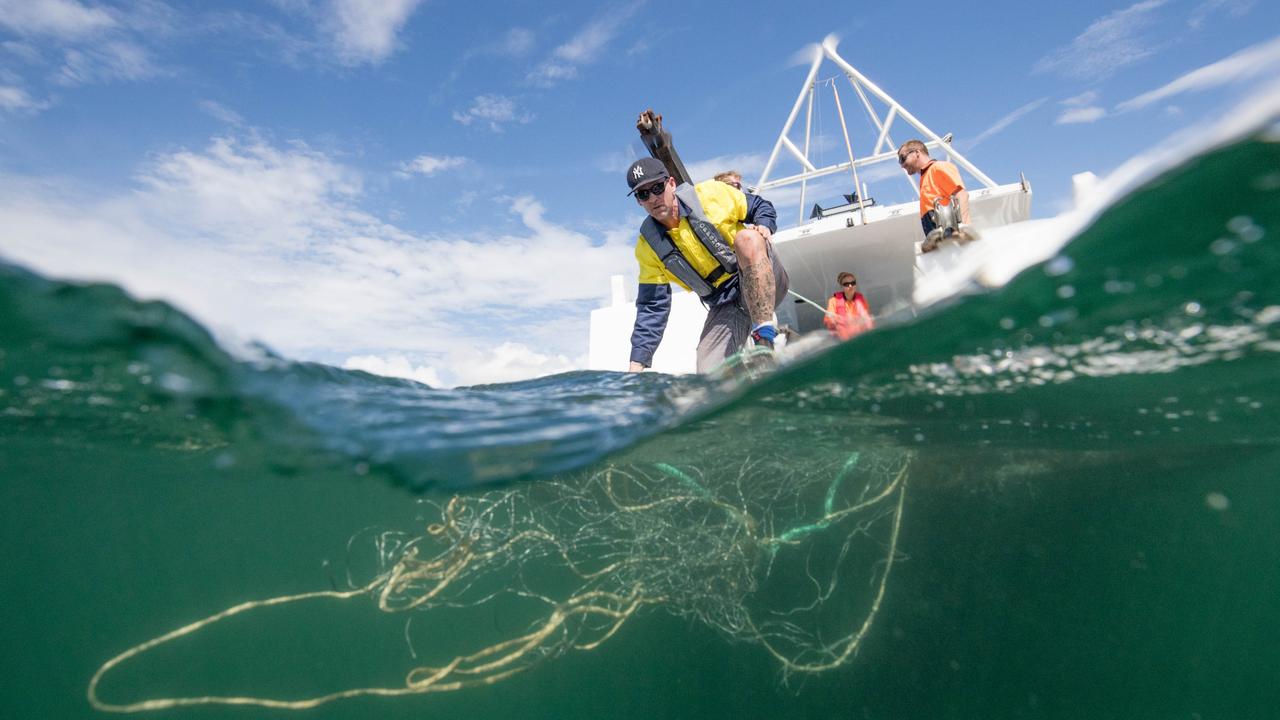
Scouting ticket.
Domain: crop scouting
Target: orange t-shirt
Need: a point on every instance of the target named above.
(940, 180)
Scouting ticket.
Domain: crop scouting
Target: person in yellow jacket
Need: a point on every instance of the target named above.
(847, 311)
(712, 240)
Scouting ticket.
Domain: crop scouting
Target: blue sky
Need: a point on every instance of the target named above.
(434, 189)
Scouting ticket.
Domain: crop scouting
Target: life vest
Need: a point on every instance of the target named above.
(853, 317)
(707, 234)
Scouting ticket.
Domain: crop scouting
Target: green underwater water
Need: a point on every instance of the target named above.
(1087, 527)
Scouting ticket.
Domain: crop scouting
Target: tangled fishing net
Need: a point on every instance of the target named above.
(794, 560)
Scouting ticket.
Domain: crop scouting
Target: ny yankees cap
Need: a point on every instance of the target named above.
(645, 171)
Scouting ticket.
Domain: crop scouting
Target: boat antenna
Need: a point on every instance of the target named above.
(658, 141)
(857, 186)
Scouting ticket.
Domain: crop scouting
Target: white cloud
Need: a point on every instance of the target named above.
(15, 99)
(615, 162)
(587, 45)
(516, 43)
(349, 33)
(397, 366)
(1234, 8)
(270, 243)
(750, 165)
(551, 72)
(1005, 122)
(1262, 59)
(221, 112)
(430, 165)
(365, 30)
(250, 188)
(66, 19)
(1107, 45)
(584, 48)
(496, 110)
(510, 362)
(22, 50)
(1080, 109)
(108, 61)
(96, 44)
(1088, 97)
(1079, 115)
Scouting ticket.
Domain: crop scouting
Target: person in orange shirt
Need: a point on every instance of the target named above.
(939, 180)
(847, 311)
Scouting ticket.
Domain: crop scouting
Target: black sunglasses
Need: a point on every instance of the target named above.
(851, 283)
(654, 189)
(902, 159)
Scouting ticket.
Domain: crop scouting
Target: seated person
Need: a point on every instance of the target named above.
(847, 311)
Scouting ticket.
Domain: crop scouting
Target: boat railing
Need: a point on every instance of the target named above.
(885, 148)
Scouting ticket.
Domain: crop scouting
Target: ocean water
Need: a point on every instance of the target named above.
(1054, 500)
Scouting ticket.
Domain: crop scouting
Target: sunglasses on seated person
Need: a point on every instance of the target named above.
(850, 283)
(654, 189)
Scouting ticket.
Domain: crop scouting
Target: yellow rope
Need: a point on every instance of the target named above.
(583, 621)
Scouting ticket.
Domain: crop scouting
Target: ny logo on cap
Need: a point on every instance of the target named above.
(637, 172)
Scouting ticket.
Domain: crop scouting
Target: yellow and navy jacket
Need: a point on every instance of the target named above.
(728, 209)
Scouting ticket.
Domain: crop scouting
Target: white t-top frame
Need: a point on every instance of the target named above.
(885, 148)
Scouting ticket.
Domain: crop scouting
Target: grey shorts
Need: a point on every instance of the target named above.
(729, 325)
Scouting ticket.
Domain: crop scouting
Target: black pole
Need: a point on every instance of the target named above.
(658, 141)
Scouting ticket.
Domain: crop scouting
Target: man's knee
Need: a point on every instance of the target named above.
(750, 245)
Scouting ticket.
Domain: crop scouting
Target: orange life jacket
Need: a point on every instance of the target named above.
(848, 317)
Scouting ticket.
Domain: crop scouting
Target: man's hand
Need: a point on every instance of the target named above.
(963, 197)
(764, 231)
(635, 367)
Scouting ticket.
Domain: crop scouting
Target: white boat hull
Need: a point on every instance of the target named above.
(881, 253)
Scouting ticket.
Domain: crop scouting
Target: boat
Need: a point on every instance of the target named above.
(880, 243)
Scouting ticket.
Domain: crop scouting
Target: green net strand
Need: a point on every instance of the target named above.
(849, 465)
(828, 504)
(684, 478)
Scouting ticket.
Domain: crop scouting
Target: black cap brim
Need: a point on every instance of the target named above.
(634, 189)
